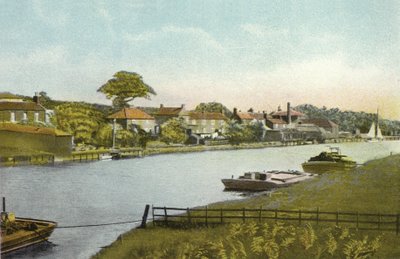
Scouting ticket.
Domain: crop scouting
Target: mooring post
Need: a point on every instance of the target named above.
(145, 214)
(4, 204)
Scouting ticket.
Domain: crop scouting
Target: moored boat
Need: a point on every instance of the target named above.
(328, 161)
(17, 233)
(262, 181)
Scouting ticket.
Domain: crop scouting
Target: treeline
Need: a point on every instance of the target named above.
(349, 120)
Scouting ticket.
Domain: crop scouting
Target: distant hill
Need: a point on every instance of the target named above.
(349, 120)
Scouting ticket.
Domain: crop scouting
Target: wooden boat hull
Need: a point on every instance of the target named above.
(327, 166)
(249, 185)
(274, 180)
(27, 236)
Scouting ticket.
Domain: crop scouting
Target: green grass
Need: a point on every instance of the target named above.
(373, 188)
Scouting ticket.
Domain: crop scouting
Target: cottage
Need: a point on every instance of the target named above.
(275, 124)
(204, 123)
(288, 116)
(134, 119)
(331, 128)
(14, 109)
(166, 113)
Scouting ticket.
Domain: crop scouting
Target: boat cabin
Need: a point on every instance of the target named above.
(254, 176)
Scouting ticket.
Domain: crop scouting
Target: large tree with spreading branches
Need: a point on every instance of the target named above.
(124, 87)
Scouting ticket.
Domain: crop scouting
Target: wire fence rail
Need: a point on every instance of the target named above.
(171, 216)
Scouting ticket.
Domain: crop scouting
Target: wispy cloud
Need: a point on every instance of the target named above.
(197, 34)
(50, 16)
(264, 31)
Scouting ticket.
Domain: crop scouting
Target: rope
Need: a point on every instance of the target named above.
(102, 224)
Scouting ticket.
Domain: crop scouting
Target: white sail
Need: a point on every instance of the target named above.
(371, 132)
(379, 133)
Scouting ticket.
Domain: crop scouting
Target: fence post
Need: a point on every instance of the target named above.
(244, 215)
(337, 218)
(276, 215)
(259, 215)
(317, 215)
(188, 214)
(397, 223)
(165, 216)
(221, 217)
(207, 216)
(299, 217)
(145, 214)
(357, 221)
(379, 221)
(4, 206)
(152, 213)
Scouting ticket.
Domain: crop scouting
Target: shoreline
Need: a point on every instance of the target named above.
(129, 153)
(282, 198)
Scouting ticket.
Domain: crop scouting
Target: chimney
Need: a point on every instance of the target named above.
(161, 105)
(36, 98)
(264, 115)
(289, 115)
(234, 111)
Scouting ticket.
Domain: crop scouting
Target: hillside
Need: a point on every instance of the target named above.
(349, 120)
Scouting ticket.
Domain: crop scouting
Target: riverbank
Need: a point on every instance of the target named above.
(372, 188)
(19, 159)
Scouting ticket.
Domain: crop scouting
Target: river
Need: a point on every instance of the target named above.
(113, 191)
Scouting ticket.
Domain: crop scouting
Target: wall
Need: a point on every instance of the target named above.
(60, 146)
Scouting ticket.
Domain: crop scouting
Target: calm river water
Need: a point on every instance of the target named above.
(112, 191)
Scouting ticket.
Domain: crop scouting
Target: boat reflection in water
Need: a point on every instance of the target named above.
(329, 161)
(262, 181)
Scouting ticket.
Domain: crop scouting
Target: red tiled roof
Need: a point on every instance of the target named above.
(131, 113)
(323, 123)
(245, 116)
(169, 111)
(207, 116)
(32, 129)
(276, 121)
(21, 106)
(284, 113)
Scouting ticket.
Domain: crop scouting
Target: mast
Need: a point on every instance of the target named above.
(377, 122)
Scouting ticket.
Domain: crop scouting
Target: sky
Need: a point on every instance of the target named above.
(244, 54)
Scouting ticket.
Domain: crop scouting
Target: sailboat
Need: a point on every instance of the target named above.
(374, 133)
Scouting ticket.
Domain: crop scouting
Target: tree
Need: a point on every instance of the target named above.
(125, 87)
(213, 107)
(173, 131)
(79, 119)
(238, 133)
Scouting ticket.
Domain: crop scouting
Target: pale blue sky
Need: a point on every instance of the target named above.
(244, 54)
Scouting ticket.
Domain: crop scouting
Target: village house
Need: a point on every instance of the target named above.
(289, 116)
(166, 113)
(204, 123)
(331, 129)
(14, 109)
(135, 119)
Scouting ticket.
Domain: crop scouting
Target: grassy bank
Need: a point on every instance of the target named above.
(373, 187)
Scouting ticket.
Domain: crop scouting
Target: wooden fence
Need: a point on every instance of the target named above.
(206, 216)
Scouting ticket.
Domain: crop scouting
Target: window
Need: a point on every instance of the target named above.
(12, 116)
(24, 116)
(36, 117)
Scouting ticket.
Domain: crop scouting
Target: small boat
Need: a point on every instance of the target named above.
(326, 161)
(375, 133)
(262, 181)
(17, 233)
